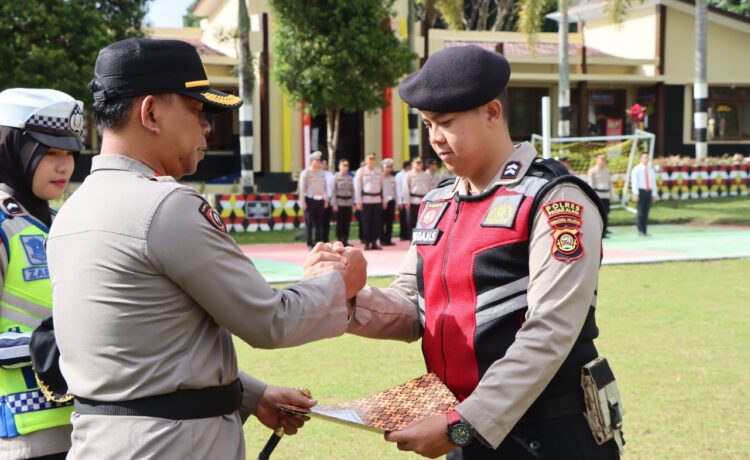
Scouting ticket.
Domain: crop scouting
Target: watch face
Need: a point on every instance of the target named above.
(460, 434)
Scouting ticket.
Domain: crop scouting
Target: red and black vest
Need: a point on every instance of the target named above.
(473, 275)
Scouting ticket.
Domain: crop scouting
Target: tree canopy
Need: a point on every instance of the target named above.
(54, 43)
(337, 54)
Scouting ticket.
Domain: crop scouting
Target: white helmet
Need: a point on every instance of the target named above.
(51, 117)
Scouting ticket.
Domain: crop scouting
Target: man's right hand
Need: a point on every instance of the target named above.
(355, 272)
(359, 207)
(303, 205)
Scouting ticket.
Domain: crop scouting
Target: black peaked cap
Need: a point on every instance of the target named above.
(456, 79)
(139, 66)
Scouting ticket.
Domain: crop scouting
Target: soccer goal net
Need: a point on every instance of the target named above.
(579, 155)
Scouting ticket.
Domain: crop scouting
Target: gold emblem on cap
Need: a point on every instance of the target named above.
(193, 84)
(223, 100)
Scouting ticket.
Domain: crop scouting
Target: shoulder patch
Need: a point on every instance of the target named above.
(212, 216)
(511, 170)
(431, 213)
(12, 207)
(565, 218)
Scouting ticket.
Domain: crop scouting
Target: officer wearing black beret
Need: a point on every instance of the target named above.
(149, 288)
(500, 282)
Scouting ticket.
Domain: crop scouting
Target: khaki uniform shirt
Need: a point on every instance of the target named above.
(601, 181)
(368, 186)
(559, 297)
(312, 184)
(416, 186)
(343, 190)
(389, 188)
(148, 291)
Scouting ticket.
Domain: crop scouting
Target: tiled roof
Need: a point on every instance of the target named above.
(524, 49)
(203, 49)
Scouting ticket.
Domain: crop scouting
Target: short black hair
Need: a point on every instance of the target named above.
(110, 114)
(503, 98)
(406, 164)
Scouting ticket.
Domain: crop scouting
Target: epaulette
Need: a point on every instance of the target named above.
(446, 181)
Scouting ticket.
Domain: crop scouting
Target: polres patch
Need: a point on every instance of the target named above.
(212, 216)
(33, 245)
(565, 218)
(432, 211)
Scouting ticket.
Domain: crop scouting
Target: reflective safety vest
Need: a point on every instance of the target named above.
(25, 299)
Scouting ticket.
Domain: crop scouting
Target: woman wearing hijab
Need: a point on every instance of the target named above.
(39, 138)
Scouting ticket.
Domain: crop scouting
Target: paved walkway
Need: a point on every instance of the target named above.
(283, 262)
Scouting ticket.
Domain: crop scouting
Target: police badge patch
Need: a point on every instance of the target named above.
(212, 216)
(502, 212)
(565, 219)
(431, 214)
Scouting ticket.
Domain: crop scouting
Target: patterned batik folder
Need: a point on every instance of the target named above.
(389, 410)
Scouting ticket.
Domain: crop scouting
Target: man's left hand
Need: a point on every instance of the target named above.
(427, 437)
(272, 417)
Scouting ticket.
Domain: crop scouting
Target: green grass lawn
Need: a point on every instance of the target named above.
(712, 211)
(676, 334)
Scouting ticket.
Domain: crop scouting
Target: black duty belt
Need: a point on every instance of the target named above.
(343, 197)
(181, 405)
(549, 407)
(414, 195)
(372, 194)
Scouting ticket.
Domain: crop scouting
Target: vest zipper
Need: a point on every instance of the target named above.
(447, 293)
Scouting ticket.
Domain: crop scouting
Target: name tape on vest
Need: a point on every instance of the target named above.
(425, 236)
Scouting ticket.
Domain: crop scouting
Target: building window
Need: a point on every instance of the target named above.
(607, 112)
(728, 114)
(525, 116)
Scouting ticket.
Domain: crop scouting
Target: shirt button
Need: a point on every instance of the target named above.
(535, 445)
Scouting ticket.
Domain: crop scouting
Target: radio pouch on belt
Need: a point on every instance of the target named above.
(604, 409)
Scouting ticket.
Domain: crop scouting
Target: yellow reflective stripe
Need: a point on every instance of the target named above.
(21, 318)
(23, 304)
(193, 84)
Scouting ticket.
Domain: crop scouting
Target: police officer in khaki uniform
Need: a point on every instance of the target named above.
(390, 195)
(504, 293)
(342, 200)
(313, 199)
(368, 196)
(417, 183)
(148, 288)
(601, 180)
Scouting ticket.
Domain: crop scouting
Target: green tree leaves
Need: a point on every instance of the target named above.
(54, 43)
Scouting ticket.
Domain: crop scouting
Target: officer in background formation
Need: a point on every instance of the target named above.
(526, 236)
(328, 211)
(417, 183)
(643, 184)
(403, 214)
(601, 181)
(149, 288)
(313, 198)
(390, 195)
(39, 138)
(342, 200)
(368, 195)
(433, 171)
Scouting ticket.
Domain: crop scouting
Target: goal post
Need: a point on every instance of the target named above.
(622, 153)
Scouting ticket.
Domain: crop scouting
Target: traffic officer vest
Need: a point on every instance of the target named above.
(26, 298)
(472, 279)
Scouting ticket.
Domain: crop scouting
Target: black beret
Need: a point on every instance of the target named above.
(456, 79)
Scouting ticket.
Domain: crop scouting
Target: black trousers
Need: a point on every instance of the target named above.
(403, 221)
(606, 209)
(313, 221)
(389, 213)
(327, 216)
(343, 222)
(372, 222)
(413, 216)
(562, 438)
(644, 206)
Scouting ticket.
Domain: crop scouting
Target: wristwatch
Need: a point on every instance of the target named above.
(460, 433)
